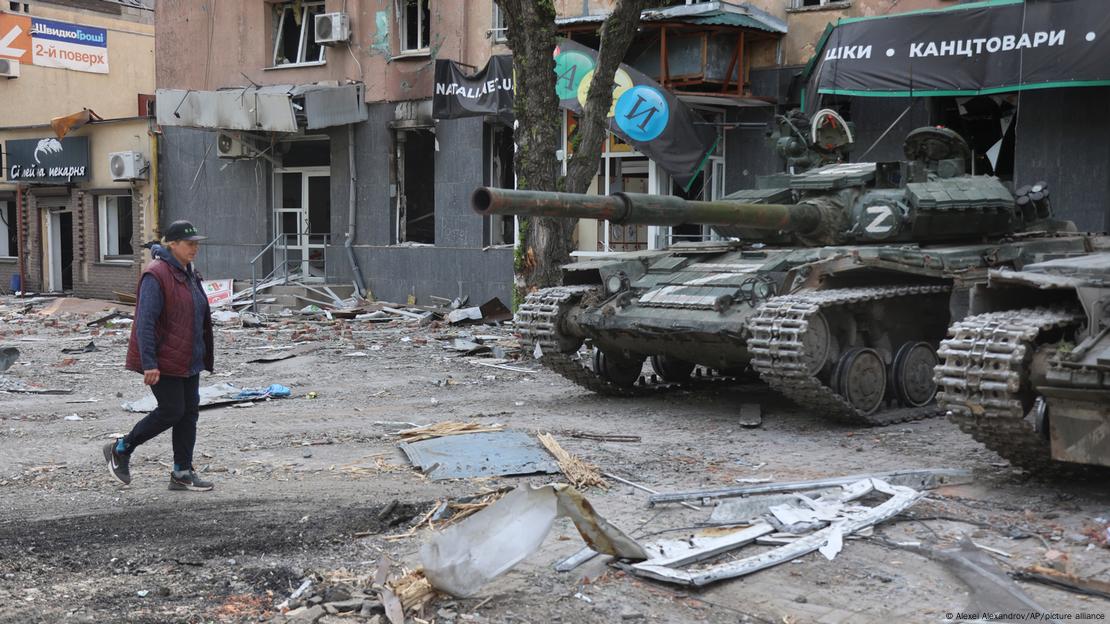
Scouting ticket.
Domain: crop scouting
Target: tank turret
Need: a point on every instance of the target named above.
(929, 198)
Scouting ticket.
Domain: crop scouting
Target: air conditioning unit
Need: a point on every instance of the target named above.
(127, 165)
(332, 28)
(232, 145)
(9, 68)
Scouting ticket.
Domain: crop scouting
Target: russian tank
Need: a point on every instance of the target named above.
(1029, 374)
(835, 287)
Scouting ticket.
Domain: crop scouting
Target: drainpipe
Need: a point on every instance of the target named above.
(360, 285)
(19, 235)
(155, 205)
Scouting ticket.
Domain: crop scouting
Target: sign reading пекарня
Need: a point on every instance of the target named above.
(49, 43)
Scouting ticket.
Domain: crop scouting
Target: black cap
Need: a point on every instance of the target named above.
(181, 230)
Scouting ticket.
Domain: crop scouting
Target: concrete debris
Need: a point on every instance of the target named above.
(462, 558)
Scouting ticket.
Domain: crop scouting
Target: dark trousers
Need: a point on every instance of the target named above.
(178, 408)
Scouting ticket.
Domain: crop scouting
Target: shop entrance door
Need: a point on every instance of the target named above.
(58, 245)
(302, 222)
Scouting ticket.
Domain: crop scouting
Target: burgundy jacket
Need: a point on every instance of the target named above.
(173, 332)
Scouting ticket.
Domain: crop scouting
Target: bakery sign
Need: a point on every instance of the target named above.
(49, 160)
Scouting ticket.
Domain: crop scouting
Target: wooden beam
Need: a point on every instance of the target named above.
(732, 62)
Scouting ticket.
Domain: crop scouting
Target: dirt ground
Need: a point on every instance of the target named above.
(307, 487)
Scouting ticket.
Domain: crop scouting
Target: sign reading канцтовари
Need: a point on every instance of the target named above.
(49, 43)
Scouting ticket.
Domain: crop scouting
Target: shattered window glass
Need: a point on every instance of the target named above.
(295, 33)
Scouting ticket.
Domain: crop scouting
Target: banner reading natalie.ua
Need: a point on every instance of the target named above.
(49, 43)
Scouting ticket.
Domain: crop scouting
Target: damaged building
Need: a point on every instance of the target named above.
(77, 195)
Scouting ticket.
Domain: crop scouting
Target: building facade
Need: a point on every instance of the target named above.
(346, 178)
(77, 198)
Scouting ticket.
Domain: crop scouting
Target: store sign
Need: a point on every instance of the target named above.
(49, 43)
(486, 92)
(49, 160)
(643, 113)
(218, 292)
(973, 49)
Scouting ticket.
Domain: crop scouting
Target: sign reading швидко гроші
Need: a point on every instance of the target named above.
(49, 43)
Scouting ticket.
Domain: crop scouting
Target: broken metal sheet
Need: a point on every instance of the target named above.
(921, 479)
(336, 106)
(741, 510)
(479, 455)
(462, 558)
(665, 569)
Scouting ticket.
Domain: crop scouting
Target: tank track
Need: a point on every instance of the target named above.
(779, 356)
(983, 371)
(538, 320)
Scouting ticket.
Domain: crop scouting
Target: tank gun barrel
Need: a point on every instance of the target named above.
(643, 209)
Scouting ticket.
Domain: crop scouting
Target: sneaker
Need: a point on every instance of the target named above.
(189, 480)
(118, 463)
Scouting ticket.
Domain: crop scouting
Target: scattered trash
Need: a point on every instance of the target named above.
(311, 395)
(492, 311)
(581, 474)
(89, 348)
(225, 316)
(250, 319)
(74, 417)
(105, 319)
(669, 556)
(487, 454)
(215, 395)
(462, 558)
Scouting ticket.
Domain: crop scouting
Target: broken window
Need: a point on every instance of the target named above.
(415, 25)
(9, 230)
(115, 228)
(295, 33)
(498, 31)
(799, 4)
(497, 150)
(416, 202)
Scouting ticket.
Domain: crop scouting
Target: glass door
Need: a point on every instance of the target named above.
(302, 215)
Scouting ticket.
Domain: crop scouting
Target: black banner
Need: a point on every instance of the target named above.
(644, 114)
(487, 92)
(49, 160)
(970, 49)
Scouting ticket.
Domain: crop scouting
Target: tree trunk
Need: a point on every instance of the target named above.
(546, 242)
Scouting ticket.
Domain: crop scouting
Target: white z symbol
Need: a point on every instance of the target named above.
(879, 225)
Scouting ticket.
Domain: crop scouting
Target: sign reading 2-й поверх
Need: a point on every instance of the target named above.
(49, 43)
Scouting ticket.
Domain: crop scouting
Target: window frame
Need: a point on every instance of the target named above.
(308, 28)
(499, 30)
(104, 229)
(5, 205)
(422, 6)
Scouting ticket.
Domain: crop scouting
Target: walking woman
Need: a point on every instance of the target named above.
(171, 342)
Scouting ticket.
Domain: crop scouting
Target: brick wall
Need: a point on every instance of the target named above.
(93, 278)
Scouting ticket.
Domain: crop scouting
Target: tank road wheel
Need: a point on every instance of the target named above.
(617, 369)
(912, 374)
(817, 344)
(861, 379)
(671, 369)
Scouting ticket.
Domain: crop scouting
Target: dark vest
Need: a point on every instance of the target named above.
(173, 332)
